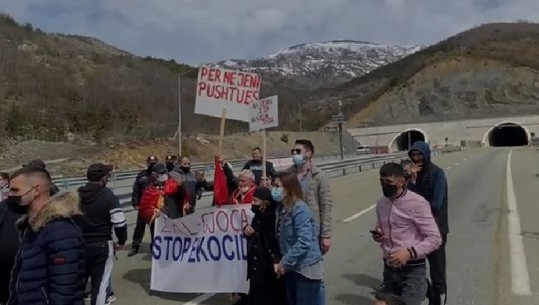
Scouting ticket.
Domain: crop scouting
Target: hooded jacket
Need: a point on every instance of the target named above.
(407, 223)
(431, 183)
(102, 212)
(49, 267)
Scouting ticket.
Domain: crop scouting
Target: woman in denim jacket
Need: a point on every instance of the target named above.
(301, 262)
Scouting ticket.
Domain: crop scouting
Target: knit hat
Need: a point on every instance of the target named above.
(263, 193)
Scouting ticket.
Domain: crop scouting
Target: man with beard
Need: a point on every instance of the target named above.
(101, 212)
(429, 181)
(141, 182)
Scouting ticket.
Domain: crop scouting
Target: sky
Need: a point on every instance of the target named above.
(202, 31)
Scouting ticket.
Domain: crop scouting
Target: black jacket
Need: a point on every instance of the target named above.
(9, 239)
(262, 252)
(142, 180)
(256, 167)
(101, 211)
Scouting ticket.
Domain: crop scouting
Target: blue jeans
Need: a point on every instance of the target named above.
(322, 293)
(301, 290)
(408, 282)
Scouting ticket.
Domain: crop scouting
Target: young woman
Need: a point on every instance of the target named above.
(301, 263)
(265, 288)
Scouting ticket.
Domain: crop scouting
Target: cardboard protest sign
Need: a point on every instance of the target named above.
(219, 89)
(264, 114)
(204, 252)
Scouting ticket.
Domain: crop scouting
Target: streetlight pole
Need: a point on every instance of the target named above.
(179, 115)
(339, 119)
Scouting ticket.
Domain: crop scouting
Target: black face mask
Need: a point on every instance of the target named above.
(14, 205)
(185, 169)
(255, 208)
(170, 167)
(389, 190)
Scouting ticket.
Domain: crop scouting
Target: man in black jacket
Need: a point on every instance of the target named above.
(101, 212)
(429, 181)
(142, 180)
(187, 177)
(255, 165)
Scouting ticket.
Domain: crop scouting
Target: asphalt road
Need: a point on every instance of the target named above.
(483, 266)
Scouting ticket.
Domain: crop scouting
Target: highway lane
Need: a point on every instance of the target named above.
(475, 256)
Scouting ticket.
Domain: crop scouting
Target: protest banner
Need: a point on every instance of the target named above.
(204, 252)
(264, 114)
(221, 88)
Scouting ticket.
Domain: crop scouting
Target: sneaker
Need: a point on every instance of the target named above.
(88, 296)
(110, 298)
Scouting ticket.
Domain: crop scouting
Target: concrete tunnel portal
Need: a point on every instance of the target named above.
(406, 139)
(507, 134)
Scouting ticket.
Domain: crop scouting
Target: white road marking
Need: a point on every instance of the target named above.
(465, 159)
(360, 213)
(201, 298)
(457, 164)
(519, 268)
(448, 168)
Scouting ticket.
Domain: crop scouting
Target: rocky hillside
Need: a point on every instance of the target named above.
(488, 71)
(325, 64)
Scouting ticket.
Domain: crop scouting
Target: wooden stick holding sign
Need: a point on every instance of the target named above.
(264, 114)
(222, 131)
(264, 156)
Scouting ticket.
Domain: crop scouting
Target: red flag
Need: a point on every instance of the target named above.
(220, 186)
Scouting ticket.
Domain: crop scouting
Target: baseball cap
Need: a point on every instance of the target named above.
(36, 163)
(170, 158)
(152, 159)
(97, 171)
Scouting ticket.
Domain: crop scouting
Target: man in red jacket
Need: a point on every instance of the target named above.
(163, 195)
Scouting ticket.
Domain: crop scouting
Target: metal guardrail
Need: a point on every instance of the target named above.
(332, 168)
(74, 182)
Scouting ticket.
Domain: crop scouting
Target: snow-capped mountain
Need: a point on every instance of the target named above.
(324, 64)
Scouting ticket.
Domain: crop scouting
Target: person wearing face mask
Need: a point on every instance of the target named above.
(317, 194)
(101, 212)
(141, 182)
(40, 164)
(429, 181)
(188, 180)
(49, 267)
(407, 233)
(265, 288)
(163, 195)
(297, 233)
(170, 160)
(246, 187)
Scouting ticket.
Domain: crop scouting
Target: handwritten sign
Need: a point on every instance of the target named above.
(204, 252)
(220, 88)
(264, 114)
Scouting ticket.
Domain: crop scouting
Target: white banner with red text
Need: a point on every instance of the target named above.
(204, 252)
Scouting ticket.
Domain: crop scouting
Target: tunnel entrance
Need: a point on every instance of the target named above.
(406, 139)
(508, 134)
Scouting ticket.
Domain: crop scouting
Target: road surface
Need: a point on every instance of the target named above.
(484, 267)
